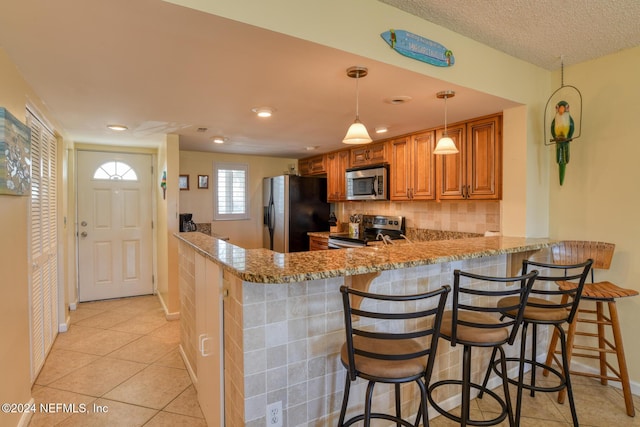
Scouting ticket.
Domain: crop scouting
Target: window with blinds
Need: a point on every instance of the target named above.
(44, 242)
(230, 196)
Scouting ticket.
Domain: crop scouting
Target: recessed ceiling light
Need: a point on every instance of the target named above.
(396, 100)
(312, 147)
(117, 128)
(381, 129)
(218, 139)
(263, 111)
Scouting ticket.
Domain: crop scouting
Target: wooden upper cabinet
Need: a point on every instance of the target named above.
(369, 154)
(412, 167)
(476, 171)
(450, 168)
(312, 166)
(424, 166)
(400, 178)
(484, 158)
(337, 164)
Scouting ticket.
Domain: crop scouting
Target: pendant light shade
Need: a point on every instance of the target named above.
(445, 144)
(357, 133)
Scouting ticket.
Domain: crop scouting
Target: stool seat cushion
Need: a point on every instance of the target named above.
(549, 312)
(473, 334)
(393, 369)
(599, 290)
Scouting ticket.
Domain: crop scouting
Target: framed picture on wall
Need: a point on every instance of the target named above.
(203, 181)
(183, 182)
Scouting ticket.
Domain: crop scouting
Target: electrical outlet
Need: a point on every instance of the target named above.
(274, 414)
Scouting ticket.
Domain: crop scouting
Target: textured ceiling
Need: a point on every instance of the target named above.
(540, 31)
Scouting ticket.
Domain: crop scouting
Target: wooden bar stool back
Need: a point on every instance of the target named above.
(600, 292)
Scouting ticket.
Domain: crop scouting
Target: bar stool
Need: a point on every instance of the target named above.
(474, 325)
(544, 311)
(378, 350)
(600, 293)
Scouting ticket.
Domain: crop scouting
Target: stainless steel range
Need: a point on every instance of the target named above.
(373, 228)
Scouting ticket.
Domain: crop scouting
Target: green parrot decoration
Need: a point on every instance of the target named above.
(562, 128)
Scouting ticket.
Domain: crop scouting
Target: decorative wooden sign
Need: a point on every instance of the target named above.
(418, 48)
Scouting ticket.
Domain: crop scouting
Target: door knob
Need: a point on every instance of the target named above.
(83, 234)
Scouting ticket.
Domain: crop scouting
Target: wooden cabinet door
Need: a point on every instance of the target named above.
(318, 243)
(422, 166)
(337, 164)
(312, 166)
(450, 168)
(400, 179)
(370, 154)
(484, 158)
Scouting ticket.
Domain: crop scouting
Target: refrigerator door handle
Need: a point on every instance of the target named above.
(272, 216)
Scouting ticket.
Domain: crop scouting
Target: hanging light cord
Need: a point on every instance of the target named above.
(357, 97)
(445, 116)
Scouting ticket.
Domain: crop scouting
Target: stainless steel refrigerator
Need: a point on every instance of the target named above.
(293, 206)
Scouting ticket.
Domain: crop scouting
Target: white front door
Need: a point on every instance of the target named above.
(114, 225)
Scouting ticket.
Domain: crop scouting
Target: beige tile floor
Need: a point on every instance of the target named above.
(596, 405)
(123, 355)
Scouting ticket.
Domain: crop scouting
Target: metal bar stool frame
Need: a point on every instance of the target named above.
(543, 311)
(474, 325)
(393, 357)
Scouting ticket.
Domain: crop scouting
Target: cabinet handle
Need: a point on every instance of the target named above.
(203, 339)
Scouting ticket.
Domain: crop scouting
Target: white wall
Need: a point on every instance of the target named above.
(199, 202)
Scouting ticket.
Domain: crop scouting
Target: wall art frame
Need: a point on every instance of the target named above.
(183, 182)
(203, 181)
(15, 155)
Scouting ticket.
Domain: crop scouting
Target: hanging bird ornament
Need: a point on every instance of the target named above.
(562, 128)
(565, 126)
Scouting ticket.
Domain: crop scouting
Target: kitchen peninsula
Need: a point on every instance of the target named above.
(283, 320)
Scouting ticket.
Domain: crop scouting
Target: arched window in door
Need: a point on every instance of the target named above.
(115, 170)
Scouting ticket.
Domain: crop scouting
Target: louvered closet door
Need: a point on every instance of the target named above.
(44, 254)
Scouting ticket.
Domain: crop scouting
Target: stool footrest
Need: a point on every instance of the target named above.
(544, 389)
(501, 417)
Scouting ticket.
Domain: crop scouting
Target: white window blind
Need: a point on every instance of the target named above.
(231, 200)
(44, 241)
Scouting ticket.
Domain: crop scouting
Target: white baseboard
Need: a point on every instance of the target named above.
(192, 374)
(25, 419)
(167, 315)
(64, 326)
(577, 366)
(73, 306)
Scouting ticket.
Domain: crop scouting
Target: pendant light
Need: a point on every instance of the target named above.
(445, 145)
(357, 133)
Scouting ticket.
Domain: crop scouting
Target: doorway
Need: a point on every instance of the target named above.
(114, 229)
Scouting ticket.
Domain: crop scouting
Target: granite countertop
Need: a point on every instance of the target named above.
(265, 266)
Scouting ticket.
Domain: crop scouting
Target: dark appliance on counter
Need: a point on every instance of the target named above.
(186, 222)
(372, 229)
(293, 206)
(368, 182)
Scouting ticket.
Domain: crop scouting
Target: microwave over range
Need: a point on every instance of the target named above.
(368, 183)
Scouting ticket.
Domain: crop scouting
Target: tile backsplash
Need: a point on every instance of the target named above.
(464, 215)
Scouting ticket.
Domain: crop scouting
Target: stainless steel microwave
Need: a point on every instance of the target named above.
(368, 183)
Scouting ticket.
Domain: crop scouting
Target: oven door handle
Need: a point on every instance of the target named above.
(341, 244)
